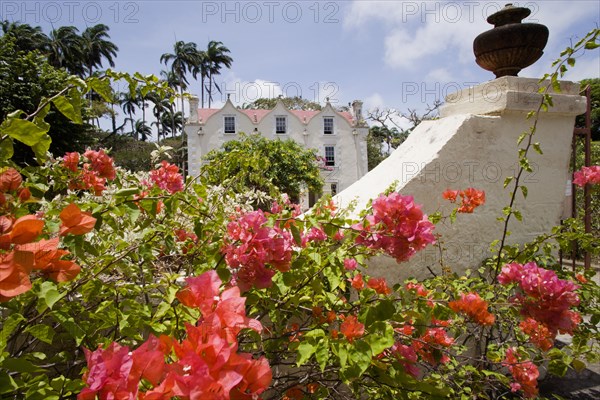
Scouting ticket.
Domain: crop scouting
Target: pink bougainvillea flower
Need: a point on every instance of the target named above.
(251, 245)
(201, 292)
(71, 161)
(350, 264)
(397, 226)
(167, 177)
(102, 164)
(75, 221)
(587, 175)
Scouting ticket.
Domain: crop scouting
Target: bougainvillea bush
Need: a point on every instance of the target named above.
(116, 285)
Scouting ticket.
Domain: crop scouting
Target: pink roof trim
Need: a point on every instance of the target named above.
(206, 113)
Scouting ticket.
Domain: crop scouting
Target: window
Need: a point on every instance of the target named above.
(281, 124)
(333, 189)
(330, 156)
(328, 125)
(229, 124)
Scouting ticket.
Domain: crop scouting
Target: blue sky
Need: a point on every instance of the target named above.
(391, 54)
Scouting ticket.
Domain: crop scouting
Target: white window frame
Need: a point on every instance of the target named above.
(225, 124)
(332, 125)
(325, 155)
(285, 126)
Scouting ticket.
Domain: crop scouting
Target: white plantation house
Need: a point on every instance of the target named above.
(339, 137)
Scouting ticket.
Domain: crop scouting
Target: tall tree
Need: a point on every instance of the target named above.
(201, 68)
(65, 49)
(96, 46)
(129, 104)
(217, 57)
(183, 59)
(27, 38)
(142, 130)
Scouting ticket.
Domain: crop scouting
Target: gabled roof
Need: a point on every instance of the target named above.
(205, 113)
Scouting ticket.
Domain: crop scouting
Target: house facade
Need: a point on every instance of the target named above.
(339, 137)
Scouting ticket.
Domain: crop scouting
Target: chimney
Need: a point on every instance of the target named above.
(357, 108)
(193, 109)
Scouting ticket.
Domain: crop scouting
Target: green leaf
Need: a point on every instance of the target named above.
(360, 356)
(68, 109)
(518, 215)
(557, 367)
(521, 137)
(591, 45)
(380, 337)
(7, 383)
(322, 353)
(24, 131)
(49, 294)
(305, 350)
(578, 365)
(20, 365)
(41, 148)
(524, 191)
(537, 148)
(9, 324)
(70, 325)
(102, 87)
(41, 332)
(6, 149)
(508, 180)
(296, 234)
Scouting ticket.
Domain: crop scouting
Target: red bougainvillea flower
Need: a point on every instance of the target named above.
(102, 164)
(167, 177)
(75, 221)
(71, 161)
(525, 373)
(379, 285)
(587, 175)
(430, 344)
(538, 333)
(357, 282)
(351, 328)
(418, 288)
(397, 226)
(475, 307)
(10, 179)
(471, 198)
(24, 194)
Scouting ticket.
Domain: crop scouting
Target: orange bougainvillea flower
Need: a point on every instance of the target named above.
(357, 282)
(475, 307)
(43, 251)
(14, 280)
(450, 195)
(351, 328)
(379, 285)
(76, 222)
(24, 195)
(26, 229)
(10, 179)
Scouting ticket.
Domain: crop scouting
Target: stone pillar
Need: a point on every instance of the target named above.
(474, 144)
(193, 130)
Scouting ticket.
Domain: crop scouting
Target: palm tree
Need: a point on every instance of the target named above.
(183, 59)
(27, 38)
(172, 121)
(216, 58)
(160, 105)
(64, 49)
(96, 46)
(142, 130)
(129, 104)
(201, 68)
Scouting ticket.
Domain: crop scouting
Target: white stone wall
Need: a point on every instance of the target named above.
(474, 144)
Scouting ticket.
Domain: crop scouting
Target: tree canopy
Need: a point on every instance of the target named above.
(272, 166)
(291, 103)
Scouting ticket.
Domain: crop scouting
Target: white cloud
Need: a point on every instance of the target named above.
(439, 75)
(421, 32)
